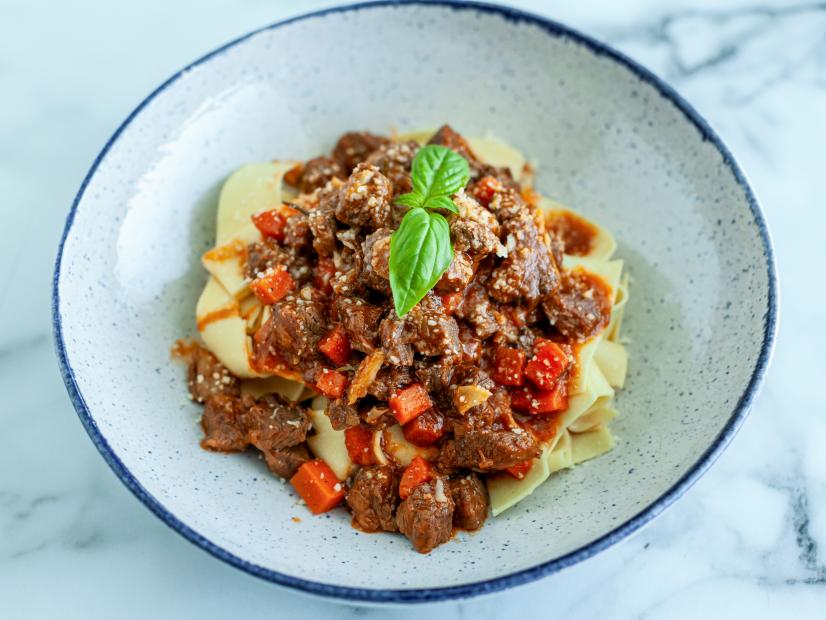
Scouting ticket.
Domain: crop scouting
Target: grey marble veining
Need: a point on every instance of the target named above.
(749, 540)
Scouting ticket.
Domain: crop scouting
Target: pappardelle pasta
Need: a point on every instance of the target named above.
(409, 329)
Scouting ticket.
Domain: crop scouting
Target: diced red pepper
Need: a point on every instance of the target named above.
(272, 286)
(520, 470)
(318, 486)
(412, 401)
(426, 429)
(271, 223)
(323, 275)
(336, 346)
(452, 301)
(508, 366)
(548, 363)
(331, 383)
(418, 472)
(485, 189)
(532, 400)
(359, 442)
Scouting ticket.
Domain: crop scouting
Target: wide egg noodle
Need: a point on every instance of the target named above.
(612, 359)
(595, 442)
(226, 262)
(327, 443)
(505, 491)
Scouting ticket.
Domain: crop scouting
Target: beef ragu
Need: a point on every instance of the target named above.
(472, 381)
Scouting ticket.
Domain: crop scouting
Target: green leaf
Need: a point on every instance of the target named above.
(420, 252)
(440, 202)
(410, 200)
(438, 171)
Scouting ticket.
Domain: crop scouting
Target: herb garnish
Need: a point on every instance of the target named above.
(420, 250)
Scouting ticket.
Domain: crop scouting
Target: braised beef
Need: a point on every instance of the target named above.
(488, 450)
(376, 268)
(294, 328)
(285, 462)
(209, 377)
(322, 219)
(318, 171)
(341, 414)
(361, 322)
(224, 424)
(389, 380)
(426, 516)
(579, 308)
(478, 310)
(372, 498)
(364, 199)
(274, 423)
(297, 233)
(355, 146)
(394, 159)
(470, 498)
(395, 340)
(434, 332)
(458, 274)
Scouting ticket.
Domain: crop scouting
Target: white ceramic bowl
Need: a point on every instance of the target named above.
(612, 141)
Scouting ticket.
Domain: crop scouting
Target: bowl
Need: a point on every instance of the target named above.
(612, 141)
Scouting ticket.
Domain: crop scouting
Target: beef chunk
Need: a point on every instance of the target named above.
(322, 219)
(265, 255)
(426, 516)
(470, 498)
(394, 160)
(488, 450)
(478, 310)
(390, 380)
(458, 274)
(364, 200)
(475, 230)
(209, 377)
(341, 414)
(361, 321)
(446, 136)
(434, 332)
(297, 233)
(224, 424)
(318, 171)
(355, 146)
(372, 498)
(285, 462)
(395, 341)
(294, 328)
(376, 270)
(579, 308)
(529, 271)
(274, 424)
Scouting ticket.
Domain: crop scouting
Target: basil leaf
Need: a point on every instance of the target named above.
(420, 252)
(440, 202)
(410, 200)
(438, 171)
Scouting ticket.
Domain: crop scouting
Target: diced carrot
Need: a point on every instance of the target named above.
(452, 301)
(359, 442)
(409, 403)
(520, 470)
(485, 189)
(272, 286)
(318, 486)
(418, 472)
(529, 399)
(508, 366)
(549, 361)
(331, 383)
(426, 429)
(336, 346)
(323, 275)
(271, 223)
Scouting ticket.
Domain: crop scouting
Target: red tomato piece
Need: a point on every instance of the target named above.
(410, 402)
(426, 429)
(336, 346)
(418, 472)
(520, 470)
(529, 399)
(359, 442)
(508, 366)
(548, 363)
(272, 286)
(331, 383)
(271, 223)
(485, 189)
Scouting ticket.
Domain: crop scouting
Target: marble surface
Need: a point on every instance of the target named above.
(749, 540)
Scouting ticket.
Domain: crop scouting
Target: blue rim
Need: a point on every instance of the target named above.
(513, 579)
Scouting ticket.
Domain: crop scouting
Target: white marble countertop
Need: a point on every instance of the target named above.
(748, 541)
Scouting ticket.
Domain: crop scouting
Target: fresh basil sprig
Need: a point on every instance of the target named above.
(420, 249)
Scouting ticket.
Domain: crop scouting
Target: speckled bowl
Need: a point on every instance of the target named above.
(612, 141)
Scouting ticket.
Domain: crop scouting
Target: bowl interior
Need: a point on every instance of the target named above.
(607, 143)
